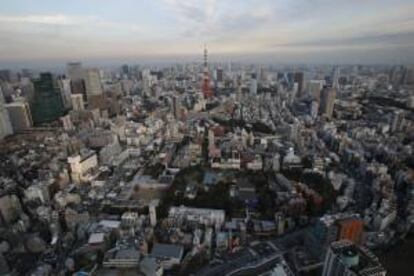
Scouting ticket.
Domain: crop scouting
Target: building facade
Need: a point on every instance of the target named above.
(93, 85)
(5, 123)
(47, 105)
(327, 104)
(20, 116)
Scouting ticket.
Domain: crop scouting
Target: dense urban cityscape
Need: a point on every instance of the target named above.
(205, 166)
(179, 170)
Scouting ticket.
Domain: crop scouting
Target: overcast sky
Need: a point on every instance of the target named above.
(288, 31)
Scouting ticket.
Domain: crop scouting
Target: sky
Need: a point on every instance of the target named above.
(271, 31)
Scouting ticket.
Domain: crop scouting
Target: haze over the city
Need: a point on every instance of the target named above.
(285, 31)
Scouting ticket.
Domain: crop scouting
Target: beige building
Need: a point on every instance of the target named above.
(93, 85)
(20, 116)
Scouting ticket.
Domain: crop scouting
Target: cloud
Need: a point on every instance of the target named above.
(57, 19)
(198, 11)
(381, 40)
(79, 27)
(211, 20)
(181, 27)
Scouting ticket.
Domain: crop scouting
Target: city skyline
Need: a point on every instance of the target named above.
(320, 31)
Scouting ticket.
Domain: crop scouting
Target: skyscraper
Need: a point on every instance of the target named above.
(347, 259)
(336, 73)
(125, 69)
(93, 85)
(253, 85)
(5, 123)
(47, 103)
(176, 104)
(328, 95)
(314, 88)
(300, 80)
(239, 92)
(219, 75)
(75, 71)
(20, 117)
(65, 89)
(76, 74)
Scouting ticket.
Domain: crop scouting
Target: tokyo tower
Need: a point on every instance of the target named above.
(207, 92)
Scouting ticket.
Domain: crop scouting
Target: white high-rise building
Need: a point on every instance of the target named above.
(66, 92)
(335, 77)
(153, 212)
(77, 102)
(93, 85)
(314, 109)
(5, 123)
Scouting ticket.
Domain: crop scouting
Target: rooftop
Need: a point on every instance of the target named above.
(161, 250)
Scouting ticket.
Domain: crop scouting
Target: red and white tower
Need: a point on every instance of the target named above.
(207, 92)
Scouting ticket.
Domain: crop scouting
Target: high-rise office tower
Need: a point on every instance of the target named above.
(328, 95)
(20, 117)
(253, 85)
(47, 103)
(125, 69)
(314, 109)
(65, 89)
(262, 75)
(300, 80)
(336, 73)
(75, 72)
(93, 85)
(5, 123)
(219, 75)
(314, 88)
(239, 88)
(176, 104)
(347, 259)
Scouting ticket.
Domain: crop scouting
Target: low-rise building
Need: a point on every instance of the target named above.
(169, 255)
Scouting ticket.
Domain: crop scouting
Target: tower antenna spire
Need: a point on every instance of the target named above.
(205, 55)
